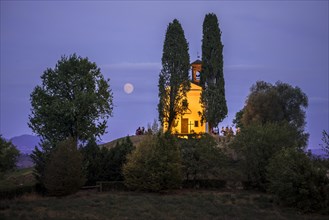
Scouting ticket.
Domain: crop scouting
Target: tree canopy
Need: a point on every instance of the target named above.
(74, 100)
(8, 155)
(299, 181)
(275, 103)
(257, 143)
(325, 139)
(174, 76)
(212, 76)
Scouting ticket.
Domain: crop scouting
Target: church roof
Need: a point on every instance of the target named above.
(195, 85)
(197, 62)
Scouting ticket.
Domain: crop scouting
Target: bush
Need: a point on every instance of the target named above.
(40, 155)
(102, 164)
(298, 181)
(154, 165)
(202, 159)
(63, 171)
(92, 162)
(256, 144)
(118, 157)
(8, 155)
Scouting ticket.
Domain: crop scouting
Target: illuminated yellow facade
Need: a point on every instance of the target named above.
(191, 121)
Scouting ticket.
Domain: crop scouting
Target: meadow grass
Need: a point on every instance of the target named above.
(182, 204)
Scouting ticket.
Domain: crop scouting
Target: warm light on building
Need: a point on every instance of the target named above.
(191, 121)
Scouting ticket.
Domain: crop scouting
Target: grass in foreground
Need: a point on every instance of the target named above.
(133, 205)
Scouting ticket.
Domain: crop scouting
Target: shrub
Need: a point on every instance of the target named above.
(201, 158)
(118, 157)
(8, 155)
(40, 155)
(257, 143)
(154, 165)
(92, 162)
(102, 164)
(63, 171)
(298, 181)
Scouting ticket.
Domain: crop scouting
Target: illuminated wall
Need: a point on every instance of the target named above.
(190, 122)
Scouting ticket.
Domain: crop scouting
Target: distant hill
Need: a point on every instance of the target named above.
(25, 143)
(24, 161)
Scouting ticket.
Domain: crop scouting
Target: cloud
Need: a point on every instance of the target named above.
(132, 66)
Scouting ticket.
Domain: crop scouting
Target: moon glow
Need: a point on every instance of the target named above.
(128, 88)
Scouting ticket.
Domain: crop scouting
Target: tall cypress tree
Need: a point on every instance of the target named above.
(212, 77)
(174, 76)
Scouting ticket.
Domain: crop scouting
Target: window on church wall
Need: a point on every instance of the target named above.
(197, 75)
(196, 124)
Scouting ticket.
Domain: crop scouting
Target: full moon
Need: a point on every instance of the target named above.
(128, 88)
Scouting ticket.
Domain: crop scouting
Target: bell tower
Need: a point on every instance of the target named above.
(196, 69)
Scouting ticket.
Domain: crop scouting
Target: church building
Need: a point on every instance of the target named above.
(191, 121)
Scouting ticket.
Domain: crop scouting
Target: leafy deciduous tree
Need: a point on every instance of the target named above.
(174, 77)
(212, 76)
(297, 181)
(74, 100)
(8, 155)
(256, 144)
(275, 103)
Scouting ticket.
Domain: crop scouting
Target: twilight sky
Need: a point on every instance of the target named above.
(270, 41)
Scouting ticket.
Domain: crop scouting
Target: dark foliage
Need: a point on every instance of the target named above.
(212, 75)
(155, 165)
(325, 145)
(118, 157)
(298, 181)
(201, 158)
(93, 162)
(63, 172)
(102, 164)
(269, 103)
(40, 157)
(8, 155)
(74, 100)
(174, 76)
(257, 144)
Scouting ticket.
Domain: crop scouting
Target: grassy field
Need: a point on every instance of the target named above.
(183, 204)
